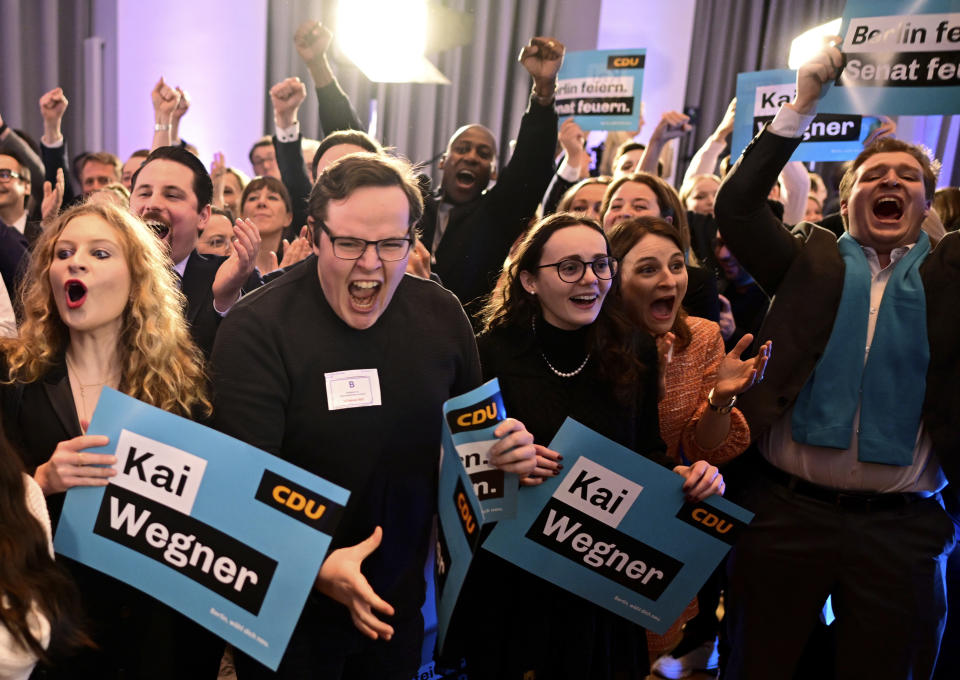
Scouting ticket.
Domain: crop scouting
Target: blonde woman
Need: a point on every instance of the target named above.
(101, 309)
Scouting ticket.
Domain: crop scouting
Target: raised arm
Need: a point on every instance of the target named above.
(704, 161)
(750, 229)
(522, 182)
(286, 97)
(335, 110)
(53, 148)
(165, 102)
(673, 124)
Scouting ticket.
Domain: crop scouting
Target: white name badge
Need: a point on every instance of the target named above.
(352, 389)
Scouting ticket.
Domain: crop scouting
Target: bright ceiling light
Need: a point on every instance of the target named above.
(386, 39)
(806, 45)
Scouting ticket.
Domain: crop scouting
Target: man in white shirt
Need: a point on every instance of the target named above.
(853, 422)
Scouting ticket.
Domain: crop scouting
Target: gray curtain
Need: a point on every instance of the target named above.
(488, 85)
(742, 35)
(41, 47)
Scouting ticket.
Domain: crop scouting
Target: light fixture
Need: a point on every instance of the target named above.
(806, 45)
(386, 40)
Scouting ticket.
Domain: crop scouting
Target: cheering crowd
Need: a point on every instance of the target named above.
(763, 334)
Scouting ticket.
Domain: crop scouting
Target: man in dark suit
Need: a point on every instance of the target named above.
(855, 422)
(172, 192)
(467, 228)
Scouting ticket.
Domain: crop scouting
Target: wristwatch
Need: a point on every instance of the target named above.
(722, 409)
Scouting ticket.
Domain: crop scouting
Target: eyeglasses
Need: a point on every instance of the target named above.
(350, 248)
(6, 174)
(571, 271)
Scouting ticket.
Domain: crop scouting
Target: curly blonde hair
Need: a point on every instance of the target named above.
(160, 364)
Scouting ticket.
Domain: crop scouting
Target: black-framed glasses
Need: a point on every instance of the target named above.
(571, 271)
(8, 174)
(350, 248)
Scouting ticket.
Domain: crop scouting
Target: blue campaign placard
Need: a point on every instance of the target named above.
(830, 136)
(470, 420)
(458, 533)
(615, 529)
(902, 58)
(601, 88)
(224, 533)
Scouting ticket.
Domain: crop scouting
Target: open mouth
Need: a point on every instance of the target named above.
(662, 308)
(466, 178)
(888, 208)
(363, 294)
(76, 293)
(157, 224)
(584, 301)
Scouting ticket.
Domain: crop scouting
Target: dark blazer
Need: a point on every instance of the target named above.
(13, 257)
(197, 286)
(479, 234)
(803, 268)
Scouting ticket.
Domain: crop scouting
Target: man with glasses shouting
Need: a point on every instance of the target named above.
(341, 366)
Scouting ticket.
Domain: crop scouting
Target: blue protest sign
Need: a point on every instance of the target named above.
(830, 137)
(601, 88)
(902, 58)
(470, 420)
(224, 533)
(459, 513)
(615, 529)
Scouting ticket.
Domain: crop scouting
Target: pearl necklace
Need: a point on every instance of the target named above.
(561, 374)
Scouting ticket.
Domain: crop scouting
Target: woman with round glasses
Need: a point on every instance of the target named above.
(559, 348)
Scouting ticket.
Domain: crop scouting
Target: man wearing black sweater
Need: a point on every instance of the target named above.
(341, 366)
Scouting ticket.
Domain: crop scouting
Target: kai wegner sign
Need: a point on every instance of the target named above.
(601, 88)
(224, 533)
(829, 137)
(901, 58)
(615, 530)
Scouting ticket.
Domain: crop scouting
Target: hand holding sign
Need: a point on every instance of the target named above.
(702, 480)
(70, 466)
(815, 77)
(514, 450)
(548, 465)
(340, 579)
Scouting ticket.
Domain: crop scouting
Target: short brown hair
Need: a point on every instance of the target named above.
(890, 145)
(667, 200)
(104, 157)
(272, 184)
(354, 171)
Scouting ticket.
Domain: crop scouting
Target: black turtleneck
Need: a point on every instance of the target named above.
(542, 400)
(564, 350)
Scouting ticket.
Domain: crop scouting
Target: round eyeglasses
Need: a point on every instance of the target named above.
(571, 271)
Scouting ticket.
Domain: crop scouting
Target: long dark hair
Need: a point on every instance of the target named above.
(28, 574)
(612, 339)
(624, 236)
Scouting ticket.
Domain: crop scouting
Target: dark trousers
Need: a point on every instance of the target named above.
(884, 568)
(326, 646)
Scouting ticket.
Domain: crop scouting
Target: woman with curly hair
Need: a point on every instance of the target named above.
(559, 346)
(101, 307)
